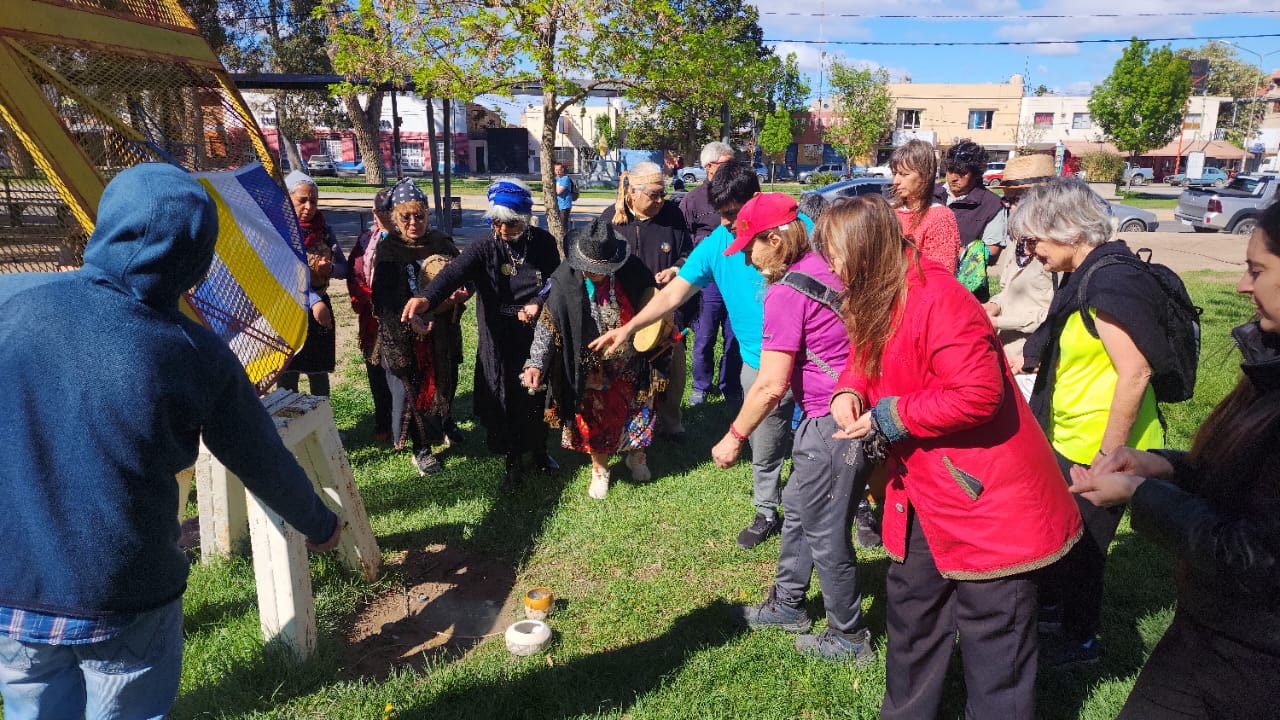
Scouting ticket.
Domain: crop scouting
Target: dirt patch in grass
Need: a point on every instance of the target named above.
(449, 601)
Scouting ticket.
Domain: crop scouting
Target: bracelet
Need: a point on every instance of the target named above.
(1102, 452)
(736, 435)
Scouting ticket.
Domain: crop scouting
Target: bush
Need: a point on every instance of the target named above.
(1102, 166)
(821, 179)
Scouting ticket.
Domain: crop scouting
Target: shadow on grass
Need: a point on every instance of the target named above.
(605, 683)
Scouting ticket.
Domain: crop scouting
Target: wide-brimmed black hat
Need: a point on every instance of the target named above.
(596, 248)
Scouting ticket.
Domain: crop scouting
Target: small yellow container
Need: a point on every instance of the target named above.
(538, 602)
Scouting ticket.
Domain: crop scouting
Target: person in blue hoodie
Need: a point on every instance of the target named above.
(109, 389)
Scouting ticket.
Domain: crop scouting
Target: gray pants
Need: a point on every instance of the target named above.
(770, 446)
(820, 498)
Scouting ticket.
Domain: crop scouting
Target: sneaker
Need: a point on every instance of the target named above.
(427, 463)
(774, 613)
(545, 462)
(636, 464)
(832, 645)
(697, 397)
(453, 434)
(599, 486)
(761, 527)
(864, 518)
(1069, 654)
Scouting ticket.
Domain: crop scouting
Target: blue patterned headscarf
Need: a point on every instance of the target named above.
(406, 191)
(511, 195)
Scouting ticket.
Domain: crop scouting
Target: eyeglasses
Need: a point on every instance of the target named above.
(1028, 242)
(508, 223)
(412, 217)
(653, 194)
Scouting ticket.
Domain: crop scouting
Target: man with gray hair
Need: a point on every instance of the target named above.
(656, 233)
(702, 218)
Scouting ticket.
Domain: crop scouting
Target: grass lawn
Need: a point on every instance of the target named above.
(1140, 199)
(645, 581)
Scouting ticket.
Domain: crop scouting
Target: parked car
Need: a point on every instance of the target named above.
(320, 165)
(692, 174)
(853, 188)
(840, 170)
(780, 171)
(1209, 176)
(1128, 219)
(993, 175)
(1138, 175)
(349, 167)
(880, 171)
(1234, 208)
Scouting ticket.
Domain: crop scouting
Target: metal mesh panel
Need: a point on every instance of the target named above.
(166, 12)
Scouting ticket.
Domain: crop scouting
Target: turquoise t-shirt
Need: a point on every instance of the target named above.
(740, 284)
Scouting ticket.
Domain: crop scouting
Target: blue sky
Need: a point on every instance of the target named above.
(1073, 69)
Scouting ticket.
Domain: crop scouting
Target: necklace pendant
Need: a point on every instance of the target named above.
(507, 269)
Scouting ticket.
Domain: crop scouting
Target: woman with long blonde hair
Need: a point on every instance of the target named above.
(973, 503)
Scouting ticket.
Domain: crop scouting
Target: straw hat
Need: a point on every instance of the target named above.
(1026, 171)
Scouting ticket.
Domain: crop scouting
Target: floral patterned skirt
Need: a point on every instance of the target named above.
(611, 418)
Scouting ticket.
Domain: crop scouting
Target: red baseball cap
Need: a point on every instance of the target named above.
(762, 212)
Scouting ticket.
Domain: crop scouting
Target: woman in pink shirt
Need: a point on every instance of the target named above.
(929, 225)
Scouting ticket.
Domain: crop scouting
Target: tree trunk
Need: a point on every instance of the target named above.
(550, 119)
(447, 107)
(365, 123)
(435, 175)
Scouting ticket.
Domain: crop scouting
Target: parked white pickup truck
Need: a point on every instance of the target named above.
(1234, 208)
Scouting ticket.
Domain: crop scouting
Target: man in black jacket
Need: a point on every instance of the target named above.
(656, 233)
(979, 212)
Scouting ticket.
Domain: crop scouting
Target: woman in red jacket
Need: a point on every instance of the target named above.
(974, 501)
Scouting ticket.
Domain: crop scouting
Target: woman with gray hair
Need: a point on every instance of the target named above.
(1093, 395)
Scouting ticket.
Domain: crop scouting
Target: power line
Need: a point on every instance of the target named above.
(1009, 17)
(1002, 43)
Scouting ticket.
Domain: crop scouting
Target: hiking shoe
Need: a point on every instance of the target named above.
(760, 528)
(636, 464)
(599, 486)
(427, 463)
(1069, 654)
(832, 645)
(774, 613)
(868, 526)
(453, 434)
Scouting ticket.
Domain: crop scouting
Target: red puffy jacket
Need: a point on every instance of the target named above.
(975, 467)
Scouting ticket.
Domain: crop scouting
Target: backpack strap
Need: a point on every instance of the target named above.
(1083, 291)
(818, 291)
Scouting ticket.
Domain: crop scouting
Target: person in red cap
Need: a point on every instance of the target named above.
(803, 343)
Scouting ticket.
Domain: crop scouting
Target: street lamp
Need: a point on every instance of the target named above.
(1262, 68)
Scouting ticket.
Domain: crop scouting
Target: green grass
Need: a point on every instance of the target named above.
(645, 581)
(1140, 199)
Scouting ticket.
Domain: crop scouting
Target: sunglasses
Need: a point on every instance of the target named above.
(412, 217)
(508, 223)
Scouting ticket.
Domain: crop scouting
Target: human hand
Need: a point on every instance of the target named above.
(322, 314)
(329, 544)
(992, 311)
(1104, 489)
(415, 306)
(1127, 460)
(528, 313)
(460, 296)
(608, 343)
(725, 452)
(856, 429)
(1015, 364)
(532, 378)
(421, 324)
(845, 409)
(662, 277)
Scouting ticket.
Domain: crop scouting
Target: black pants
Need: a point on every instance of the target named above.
(1195, 672)
(381, 397)
(1076, 581)
(996, 620)
(319, 382)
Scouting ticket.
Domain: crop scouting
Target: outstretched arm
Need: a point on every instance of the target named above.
(669, 298)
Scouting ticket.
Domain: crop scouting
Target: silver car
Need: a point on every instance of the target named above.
(1129, 219)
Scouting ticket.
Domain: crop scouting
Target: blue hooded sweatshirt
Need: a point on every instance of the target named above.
(108, 389)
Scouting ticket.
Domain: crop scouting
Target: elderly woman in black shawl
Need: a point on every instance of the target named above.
(510, 269)
(421, 357)
(602, 404)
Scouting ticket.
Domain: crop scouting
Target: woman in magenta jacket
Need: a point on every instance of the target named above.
(974, 501)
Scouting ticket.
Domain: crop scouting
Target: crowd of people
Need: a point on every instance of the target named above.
(1003, 436)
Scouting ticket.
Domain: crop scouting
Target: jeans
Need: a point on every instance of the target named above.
(711, 318)
(133, 675)
(770, 446)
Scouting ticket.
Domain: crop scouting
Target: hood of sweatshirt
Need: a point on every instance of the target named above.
(156, 230)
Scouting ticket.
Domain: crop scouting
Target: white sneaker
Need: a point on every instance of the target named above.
(599, 486)
(636, 464)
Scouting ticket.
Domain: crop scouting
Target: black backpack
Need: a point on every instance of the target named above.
(573, 190)
(1174, 376)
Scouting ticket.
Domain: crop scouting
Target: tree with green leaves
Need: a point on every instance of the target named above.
(1139, 106)
(863, 110)
(460, 50)
(775, 137)
(1229, 76)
